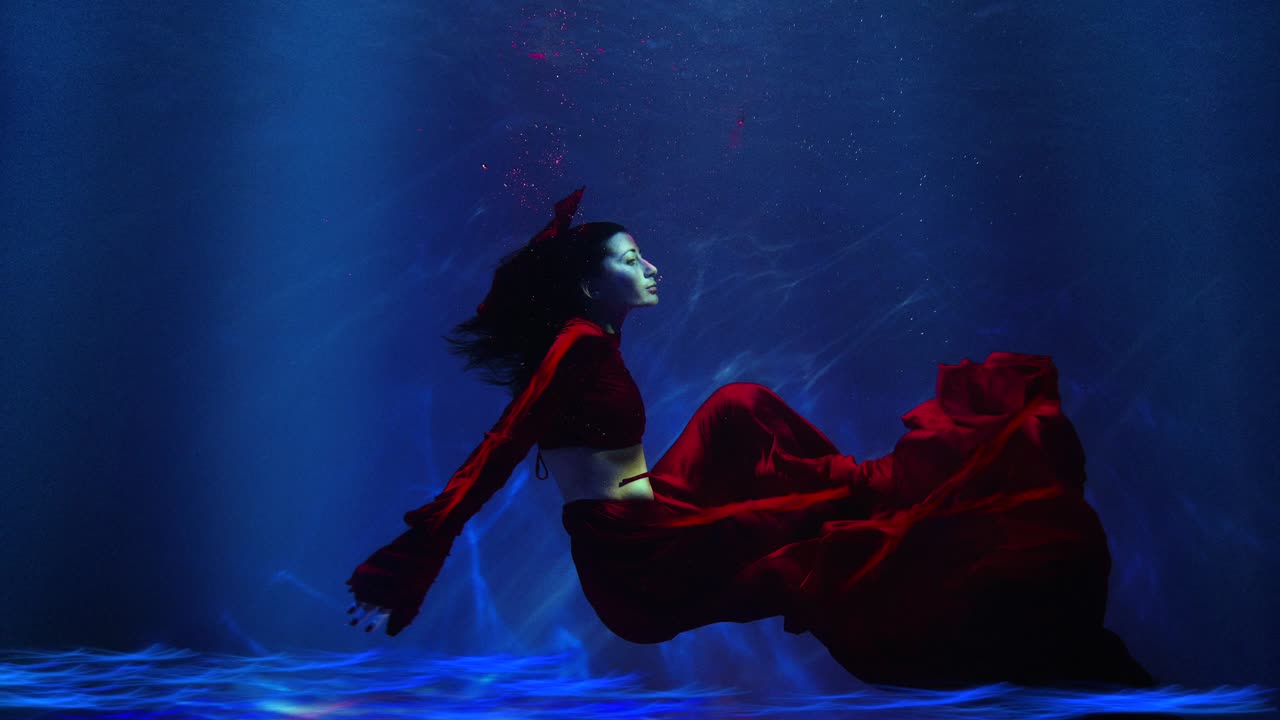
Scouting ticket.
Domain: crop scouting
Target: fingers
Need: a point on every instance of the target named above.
(371, 619)
(368, 614)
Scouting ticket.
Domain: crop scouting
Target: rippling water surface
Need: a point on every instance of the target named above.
(164, 682)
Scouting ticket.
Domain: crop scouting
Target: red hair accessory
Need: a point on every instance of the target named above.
(564, 214)
(565, 210)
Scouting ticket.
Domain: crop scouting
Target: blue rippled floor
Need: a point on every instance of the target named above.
(163, 682)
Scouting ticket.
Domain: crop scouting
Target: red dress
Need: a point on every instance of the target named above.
(966, 555)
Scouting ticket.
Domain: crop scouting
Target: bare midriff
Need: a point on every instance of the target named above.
(586, 472)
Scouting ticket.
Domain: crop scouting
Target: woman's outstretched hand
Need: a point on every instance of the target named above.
(368, 611)
(393, 582)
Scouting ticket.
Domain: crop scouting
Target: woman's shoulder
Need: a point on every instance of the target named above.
(578, 326)
(579, 335)
(583, 341)
(579, 321)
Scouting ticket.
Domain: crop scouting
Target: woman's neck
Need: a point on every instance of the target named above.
(610, 324)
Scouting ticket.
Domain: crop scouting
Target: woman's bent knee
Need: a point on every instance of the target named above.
(743, 393)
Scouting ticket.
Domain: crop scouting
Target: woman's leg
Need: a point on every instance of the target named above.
(649, 582)
(725, 453)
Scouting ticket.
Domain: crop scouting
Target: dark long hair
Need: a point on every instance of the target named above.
(535, 290)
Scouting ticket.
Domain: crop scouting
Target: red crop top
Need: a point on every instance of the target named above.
(603, 408)
(581, 394)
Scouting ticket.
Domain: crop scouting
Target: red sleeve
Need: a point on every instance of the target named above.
(522, 423)
(398, 575)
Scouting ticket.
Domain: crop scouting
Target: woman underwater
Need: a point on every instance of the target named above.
(967, 555)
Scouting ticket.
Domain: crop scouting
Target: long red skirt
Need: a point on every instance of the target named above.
(967, 555)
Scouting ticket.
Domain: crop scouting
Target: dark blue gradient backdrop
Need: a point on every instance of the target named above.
(233, 234)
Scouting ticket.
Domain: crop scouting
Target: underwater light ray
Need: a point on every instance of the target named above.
(315, 594)
(1171, 316)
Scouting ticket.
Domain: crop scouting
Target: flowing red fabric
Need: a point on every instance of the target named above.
(966, 555)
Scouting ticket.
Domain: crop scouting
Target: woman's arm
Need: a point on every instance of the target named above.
(508, 442)
(397, 576)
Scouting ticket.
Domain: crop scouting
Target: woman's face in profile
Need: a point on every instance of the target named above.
(625, 276)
